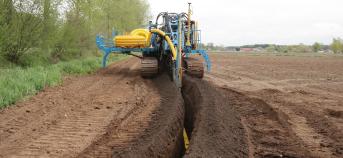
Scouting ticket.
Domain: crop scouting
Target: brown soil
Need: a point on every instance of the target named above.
(114, 112)
(290, 106)
(214, 128)
(248, 106)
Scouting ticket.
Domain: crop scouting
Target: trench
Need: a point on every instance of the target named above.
(213, 130)
(212, 125)
(191, 98)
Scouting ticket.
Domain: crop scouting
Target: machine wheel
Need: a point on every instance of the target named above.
(149, 67)
(194, 67)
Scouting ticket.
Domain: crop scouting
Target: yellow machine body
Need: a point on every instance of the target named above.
(138, 38)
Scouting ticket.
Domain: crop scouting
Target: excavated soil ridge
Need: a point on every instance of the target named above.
(162, 137)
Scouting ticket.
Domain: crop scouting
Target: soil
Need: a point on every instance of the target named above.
(290, 106)
(214, 128)
(249, 105)
(111, 113)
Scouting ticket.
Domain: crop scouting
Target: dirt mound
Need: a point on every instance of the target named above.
(215, 129)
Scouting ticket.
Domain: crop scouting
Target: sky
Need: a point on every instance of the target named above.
(241, 22)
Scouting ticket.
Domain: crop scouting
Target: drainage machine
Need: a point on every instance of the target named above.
(172, 43)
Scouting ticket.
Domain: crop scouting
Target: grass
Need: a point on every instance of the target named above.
(17, 83)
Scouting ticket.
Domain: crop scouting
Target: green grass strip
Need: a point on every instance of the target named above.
(18, 83)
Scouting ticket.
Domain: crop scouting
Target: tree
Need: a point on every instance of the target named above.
(22, 28)
(7, 11)
(40, 26)
(270, 48)
(316, 46)
(6, 15)
(49, 26)
(337, 45)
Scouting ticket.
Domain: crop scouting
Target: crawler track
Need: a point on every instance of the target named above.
(194, 67)
(149, 66)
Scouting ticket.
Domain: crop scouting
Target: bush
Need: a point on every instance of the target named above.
(337, 45)
(34, 58)
(4, 63)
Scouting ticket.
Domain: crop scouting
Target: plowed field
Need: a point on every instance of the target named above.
(249, 105)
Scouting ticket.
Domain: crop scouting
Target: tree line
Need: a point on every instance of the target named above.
(54, 30)
(335, 47)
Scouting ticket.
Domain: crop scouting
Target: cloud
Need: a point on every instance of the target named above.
(232, 22)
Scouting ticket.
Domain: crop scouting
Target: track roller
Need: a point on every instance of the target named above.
(194, 67)
(149, 66)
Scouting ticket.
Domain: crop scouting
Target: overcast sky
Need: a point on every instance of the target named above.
(240, 22)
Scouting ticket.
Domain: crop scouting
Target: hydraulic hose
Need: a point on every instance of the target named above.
(171, 45)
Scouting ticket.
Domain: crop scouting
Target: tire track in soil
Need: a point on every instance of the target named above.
(325, 127)
(64, 121)
(14, 123)
(162, 138)
(71, 115)
(320, 136)
(270, 132)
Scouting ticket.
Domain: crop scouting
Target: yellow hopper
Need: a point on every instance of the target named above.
(138, 38)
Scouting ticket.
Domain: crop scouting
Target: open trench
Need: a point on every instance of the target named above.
(212, 126)
(219, 122)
